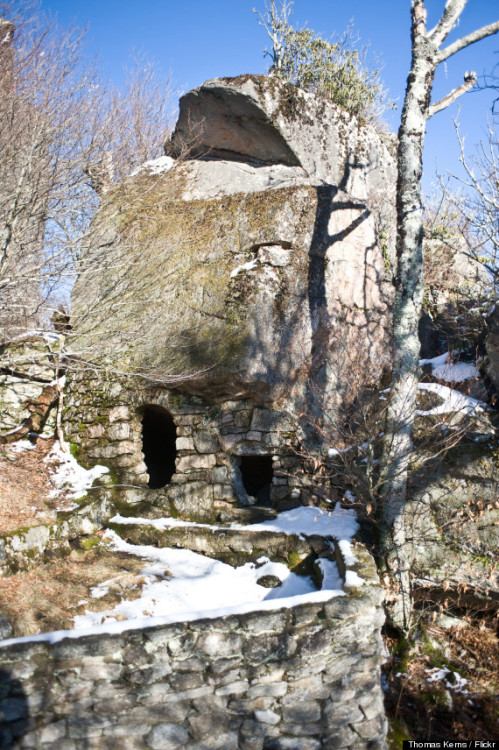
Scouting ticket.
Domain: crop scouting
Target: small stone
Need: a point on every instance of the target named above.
(220, 644)
(269, 582)
(168, 737)
(267, 717)
(185, 444)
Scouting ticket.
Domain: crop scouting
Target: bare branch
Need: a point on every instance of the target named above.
(470, 80)
(450, 16)
(465, 41)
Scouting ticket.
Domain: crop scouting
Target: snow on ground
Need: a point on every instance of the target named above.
(453, 401)
(155, 166)
(21, 445)
(181, 584)
(444, 369)
(69, 477)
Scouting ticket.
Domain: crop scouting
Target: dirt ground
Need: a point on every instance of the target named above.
(432, 710)
(48, 596)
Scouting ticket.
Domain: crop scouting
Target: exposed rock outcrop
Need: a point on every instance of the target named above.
(255, 269)
(255, 259)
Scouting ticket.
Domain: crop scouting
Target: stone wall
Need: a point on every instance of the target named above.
(301, 678)
(103, 421)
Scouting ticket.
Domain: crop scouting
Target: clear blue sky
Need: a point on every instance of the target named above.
(202, 39)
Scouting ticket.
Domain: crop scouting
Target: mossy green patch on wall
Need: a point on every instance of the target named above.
(166, 279)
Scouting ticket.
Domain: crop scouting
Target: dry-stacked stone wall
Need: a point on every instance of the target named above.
(104, 422)
(302, 678)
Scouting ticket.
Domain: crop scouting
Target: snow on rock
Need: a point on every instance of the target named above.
(444, 369)
(69, 477)
(331, 578)
(339, 523)
(155, 166)
(453, 401)
(184, 585)
(244, 267)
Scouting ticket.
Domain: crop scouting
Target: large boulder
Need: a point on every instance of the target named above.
(258, 259)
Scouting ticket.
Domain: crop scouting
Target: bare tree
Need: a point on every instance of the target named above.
(428, 53)
(66, 137)
(475, 204)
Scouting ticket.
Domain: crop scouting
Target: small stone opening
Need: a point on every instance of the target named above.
(257, 474)
(159, 436)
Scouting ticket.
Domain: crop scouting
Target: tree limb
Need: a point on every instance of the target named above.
(469, 81)
(452, 12)
(465, 41)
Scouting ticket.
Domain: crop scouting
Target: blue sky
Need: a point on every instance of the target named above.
(202, 39)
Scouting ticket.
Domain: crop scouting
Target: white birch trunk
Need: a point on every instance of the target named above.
(406, 314)
(426, 55)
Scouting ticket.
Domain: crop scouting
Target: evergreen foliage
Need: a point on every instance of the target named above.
(336, 70)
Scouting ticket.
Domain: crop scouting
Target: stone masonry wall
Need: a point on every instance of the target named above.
(103, 422)
(303, 678)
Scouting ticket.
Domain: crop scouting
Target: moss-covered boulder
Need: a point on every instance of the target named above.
(243, 271)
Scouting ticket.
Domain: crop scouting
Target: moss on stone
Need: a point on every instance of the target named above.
(185, 251)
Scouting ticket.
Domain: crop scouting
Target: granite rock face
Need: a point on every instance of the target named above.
(255, 256)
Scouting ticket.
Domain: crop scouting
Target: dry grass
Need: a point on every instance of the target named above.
(48, 597)
(25, 486)
(427, 711)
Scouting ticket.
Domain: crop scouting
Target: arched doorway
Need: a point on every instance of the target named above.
(159, 436)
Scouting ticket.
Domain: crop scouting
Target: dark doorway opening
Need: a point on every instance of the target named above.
(257, 474)
(159, 436)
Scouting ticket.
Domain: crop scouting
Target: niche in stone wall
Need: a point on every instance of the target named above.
(159, 436)
(257, 474)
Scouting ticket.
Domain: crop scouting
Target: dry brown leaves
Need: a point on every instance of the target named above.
(25, 486)
(48, 597)
(430, 711)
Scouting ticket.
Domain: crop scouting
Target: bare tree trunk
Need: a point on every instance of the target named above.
(426, 56)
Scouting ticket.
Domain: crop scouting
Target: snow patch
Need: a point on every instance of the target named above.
(155, 166)
(69, 477)
(339, 523)
(456, 682)
(453, 401)
(21, 445)
(444, 369)
(245, 267)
